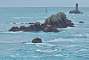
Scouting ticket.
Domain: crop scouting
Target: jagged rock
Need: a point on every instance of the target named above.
(61, 16)
(22, 28)
(50, 28)
(51, 24)
(14, 29)
(37, 26)
(58, 20)
(68, 23)
(27, 29)
(34, 27)
(37, 40)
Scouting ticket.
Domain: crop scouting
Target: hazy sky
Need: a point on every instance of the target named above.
(43, 3)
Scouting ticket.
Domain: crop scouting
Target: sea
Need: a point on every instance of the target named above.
(70, 43)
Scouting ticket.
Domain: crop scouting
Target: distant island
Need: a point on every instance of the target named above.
(51, 24)
(76, 11)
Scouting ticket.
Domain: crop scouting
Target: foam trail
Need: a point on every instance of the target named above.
(9, 32)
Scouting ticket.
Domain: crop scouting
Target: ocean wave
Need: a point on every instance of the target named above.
(48, 49)
(82, 53)
(29, 17)
(61, 39)
(22, 17)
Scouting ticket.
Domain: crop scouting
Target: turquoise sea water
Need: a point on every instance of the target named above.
(69, 44)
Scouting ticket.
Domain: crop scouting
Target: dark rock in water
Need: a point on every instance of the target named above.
(37, 26)
(68, 23)
(51, 24)
(22, 28)
(37, 40)
(34, 27)
(14, 29)
(81, 22)
(22, 23)
(59, 21)
(50, 28)
(14, 23)
(75, 12)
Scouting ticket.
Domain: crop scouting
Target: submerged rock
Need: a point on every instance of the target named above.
(37, 40)
(81, 22)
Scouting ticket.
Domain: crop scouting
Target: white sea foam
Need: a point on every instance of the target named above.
(60, 39)
(47, 50)
(10, 32)
(45, 45)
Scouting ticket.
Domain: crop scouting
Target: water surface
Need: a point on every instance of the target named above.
(71, 43)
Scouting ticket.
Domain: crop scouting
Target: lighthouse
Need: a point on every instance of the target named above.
(76, 6)
(76, 11)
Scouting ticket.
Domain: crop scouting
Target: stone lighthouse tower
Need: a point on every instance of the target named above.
(76, 10)
(76, 6)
